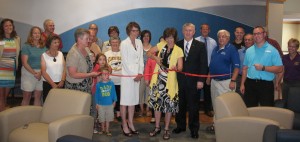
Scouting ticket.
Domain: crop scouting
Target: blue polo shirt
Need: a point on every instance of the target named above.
(267, 55)
(223, 61)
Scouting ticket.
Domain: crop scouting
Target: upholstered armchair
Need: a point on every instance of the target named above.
(273, 133)
(234, 122)
(292, 103)
(65, 112)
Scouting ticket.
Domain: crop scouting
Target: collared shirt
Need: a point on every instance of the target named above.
(242, 53)
(223, 61)
(238, 45)
(211, 45)
(266, 55)
(189, 46)
(291, 68)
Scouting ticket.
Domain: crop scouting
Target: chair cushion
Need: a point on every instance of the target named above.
(35, 132)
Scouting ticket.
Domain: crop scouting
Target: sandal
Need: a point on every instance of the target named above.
(166, 135)
(108, 133)
(101, 132)
(126, 134)
(155, 131)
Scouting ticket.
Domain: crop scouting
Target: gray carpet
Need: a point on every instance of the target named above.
(145, 128)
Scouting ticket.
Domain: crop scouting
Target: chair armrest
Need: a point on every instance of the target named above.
(241, 129)
(13, 118)
(275, 134)
(79, 125)
(285, 117)
(270, 133)
(287, 135)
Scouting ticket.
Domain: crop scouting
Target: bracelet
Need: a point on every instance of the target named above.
(263, 68)
(233, 80)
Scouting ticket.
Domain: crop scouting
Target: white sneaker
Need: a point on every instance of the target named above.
(95, 131)
(152, 120)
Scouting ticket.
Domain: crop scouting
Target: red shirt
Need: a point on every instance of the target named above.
(149, 69)
(45, 36)
(275, 44)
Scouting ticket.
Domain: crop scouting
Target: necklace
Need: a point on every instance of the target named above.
(55, 54)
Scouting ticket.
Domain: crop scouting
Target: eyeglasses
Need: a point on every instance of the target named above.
(135, 30)
(292, 46)
(259, 33)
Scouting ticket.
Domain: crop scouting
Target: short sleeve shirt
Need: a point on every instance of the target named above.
(267, 55)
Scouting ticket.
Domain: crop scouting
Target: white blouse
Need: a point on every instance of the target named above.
(54, 69)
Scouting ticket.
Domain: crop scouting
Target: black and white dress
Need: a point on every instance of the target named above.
(159, 98)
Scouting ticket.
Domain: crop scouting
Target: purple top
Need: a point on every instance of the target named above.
(291, 68)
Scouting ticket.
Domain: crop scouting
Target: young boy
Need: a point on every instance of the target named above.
(105, 98)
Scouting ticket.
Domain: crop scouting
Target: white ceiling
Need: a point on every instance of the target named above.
(291, 10)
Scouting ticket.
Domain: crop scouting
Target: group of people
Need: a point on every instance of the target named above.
(150, 75)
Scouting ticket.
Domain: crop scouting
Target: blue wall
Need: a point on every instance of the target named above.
(156, 20)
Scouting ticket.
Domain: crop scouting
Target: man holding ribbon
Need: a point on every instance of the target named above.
(195, 62)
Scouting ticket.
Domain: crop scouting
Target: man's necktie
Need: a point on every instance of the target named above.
(186, 50)
(205, 41)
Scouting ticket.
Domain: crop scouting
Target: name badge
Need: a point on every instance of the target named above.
(2, 42)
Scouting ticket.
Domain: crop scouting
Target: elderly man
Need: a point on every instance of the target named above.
(92, 44)
(49, 28)
(97, 40)
(210, 44)
(248, 40)
(262, 61)
(224, 61)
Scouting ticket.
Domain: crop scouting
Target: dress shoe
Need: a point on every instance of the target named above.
(194, 134)
(178, 130)
(209, 113)
(210, 129)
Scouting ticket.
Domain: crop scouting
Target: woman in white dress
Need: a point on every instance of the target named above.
(132, 64)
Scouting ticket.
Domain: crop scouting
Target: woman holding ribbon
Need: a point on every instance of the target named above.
(132, 64)
(164, 86)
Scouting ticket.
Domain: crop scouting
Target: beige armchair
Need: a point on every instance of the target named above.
(65, 112)
(234, 122)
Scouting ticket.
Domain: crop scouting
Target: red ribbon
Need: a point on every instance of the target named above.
(185, 73)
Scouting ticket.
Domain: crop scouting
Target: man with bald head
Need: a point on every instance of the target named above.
(97, 40)
(92, 43)
(49, 28)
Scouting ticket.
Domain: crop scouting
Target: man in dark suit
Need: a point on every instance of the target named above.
(195, 61)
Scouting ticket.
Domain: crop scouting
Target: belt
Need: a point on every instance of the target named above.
(216, 79)
(291, 81)
(258, 80)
